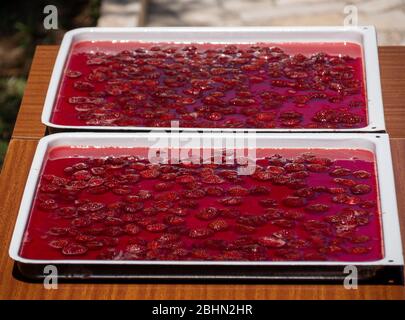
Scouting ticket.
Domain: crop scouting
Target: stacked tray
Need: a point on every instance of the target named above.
(95, 205)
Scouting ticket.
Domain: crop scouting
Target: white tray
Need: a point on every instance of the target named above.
(364, 35)
(377, 143)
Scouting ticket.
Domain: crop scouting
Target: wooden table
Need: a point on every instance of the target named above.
(28, 130)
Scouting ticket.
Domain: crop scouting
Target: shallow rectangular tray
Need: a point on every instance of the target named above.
(388, 270)
(363, 35)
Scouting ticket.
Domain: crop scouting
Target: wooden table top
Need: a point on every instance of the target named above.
(28, 130)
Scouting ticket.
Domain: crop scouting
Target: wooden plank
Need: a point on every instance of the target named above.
(143, 14)
(12, 182)
(28, 123)
(392, 70)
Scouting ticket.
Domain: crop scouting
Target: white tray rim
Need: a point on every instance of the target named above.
(379, 144)
(366, 34)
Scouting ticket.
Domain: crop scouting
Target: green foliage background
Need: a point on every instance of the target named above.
(21, 29)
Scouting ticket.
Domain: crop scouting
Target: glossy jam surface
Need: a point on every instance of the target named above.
(263, 85)
(300, 204)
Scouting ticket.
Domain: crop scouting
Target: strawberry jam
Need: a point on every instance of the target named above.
(260, 85)
(298, 205)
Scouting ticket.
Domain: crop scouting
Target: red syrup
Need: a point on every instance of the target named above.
(299, 205)
(262, 85)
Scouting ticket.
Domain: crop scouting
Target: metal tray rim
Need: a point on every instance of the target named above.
(370, 54)
(380, 142)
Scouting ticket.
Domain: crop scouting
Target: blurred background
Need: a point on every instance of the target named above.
(22, 27)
